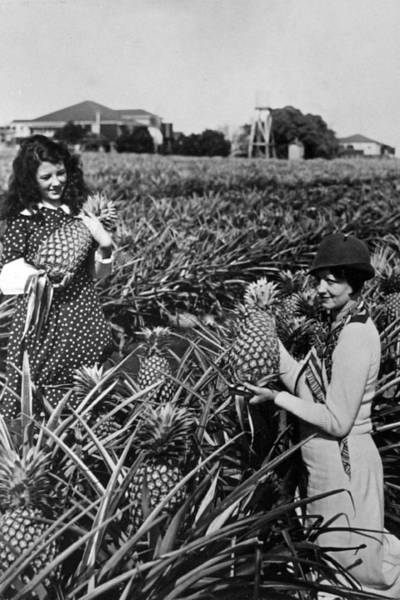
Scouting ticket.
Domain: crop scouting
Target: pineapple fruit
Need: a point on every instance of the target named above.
(24, 493)
(184, 320)
(389, 286)
(163, 436)
(155, 365)
(65, 249)
(254, 352)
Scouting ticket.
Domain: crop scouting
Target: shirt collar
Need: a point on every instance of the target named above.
(28, 212)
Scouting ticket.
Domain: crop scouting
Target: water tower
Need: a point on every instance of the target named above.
(261, 128)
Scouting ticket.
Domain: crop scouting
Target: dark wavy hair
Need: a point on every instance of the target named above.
(24, 191)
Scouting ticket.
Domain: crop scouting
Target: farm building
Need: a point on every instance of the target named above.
(6, 135)
(94, 117)
(296, 150)
(359, 144)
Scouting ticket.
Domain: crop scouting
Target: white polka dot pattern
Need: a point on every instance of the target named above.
(76, 332)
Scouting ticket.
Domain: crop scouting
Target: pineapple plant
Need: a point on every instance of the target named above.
(290, 284)
(298, 336)
(179, 319)
(164, 438)
(305, 326)
(66, 248)
(184, 320)
(254, 352)
(154, 365)
(389, 286)
(87, 379)
(24, 508)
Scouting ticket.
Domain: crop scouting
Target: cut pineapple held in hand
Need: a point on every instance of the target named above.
(254, 353)
(61, 254)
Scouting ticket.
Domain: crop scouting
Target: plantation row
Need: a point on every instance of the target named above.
(194, 232)
(173, 488)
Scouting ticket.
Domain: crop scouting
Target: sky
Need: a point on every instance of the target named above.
(201, 64)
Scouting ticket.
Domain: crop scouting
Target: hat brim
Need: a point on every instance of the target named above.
(364, 269)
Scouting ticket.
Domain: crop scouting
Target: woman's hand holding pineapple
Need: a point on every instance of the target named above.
(99, 234)
(261, 394)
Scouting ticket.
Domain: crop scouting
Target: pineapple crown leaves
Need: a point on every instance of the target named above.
(290, 282)
(389, 278)
(100, 206)
(86, 379)
(382, 257)
(261, 294)
(164, 433)
(24, 482)
(307, 303)
(156, 339)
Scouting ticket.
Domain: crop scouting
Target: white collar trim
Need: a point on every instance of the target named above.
(28, 212)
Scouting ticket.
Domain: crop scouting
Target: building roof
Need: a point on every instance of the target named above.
(87, 111)
(358, 139)
(132, 112)
(83, 111)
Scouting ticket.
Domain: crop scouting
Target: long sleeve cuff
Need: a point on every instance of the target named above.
(103, 261)
(14, 276)
(103, 266)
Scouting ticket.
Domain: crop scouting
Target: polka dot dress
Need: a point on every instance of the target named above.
(75, 334)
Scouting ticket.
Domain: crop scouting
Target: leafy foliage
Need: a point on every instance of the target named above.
(207, 143)
(289, 124)
(138, 140)
(94, 142)
(71, 133)
(192, 234)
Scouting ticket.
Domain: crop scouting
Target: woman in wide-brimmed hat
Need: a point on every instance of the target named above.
(331, 393)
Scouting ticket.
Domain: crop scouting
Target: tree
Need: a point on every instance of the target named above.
(213, 143)
(289, 124)
(208, 143)
(138, 140)
(71, 133)
(93, 142)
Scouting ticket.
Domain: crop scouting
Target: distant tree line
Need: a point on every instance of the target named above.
(139, 139)
(289, 124)
(208, 143)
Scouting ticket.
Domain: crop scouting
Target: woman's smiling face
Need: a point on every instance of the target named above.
(52, 180)
(335, 293)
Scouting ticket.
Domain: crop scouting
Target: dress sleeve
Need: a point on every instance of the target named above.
(351, 362)
(15, 271)
(15, 241)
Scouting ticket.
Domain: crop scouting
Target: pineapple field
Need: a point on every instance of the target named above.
(163, 483)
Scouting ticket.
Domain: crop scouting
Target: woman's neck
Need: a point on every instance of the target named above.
(53, 204)
(338, 314)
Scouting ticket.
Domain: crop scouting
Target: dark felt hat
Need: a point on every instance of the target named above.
(341, 250)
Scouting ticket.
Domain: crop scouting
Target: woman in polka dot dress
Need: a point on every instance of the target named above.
(47, 189)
